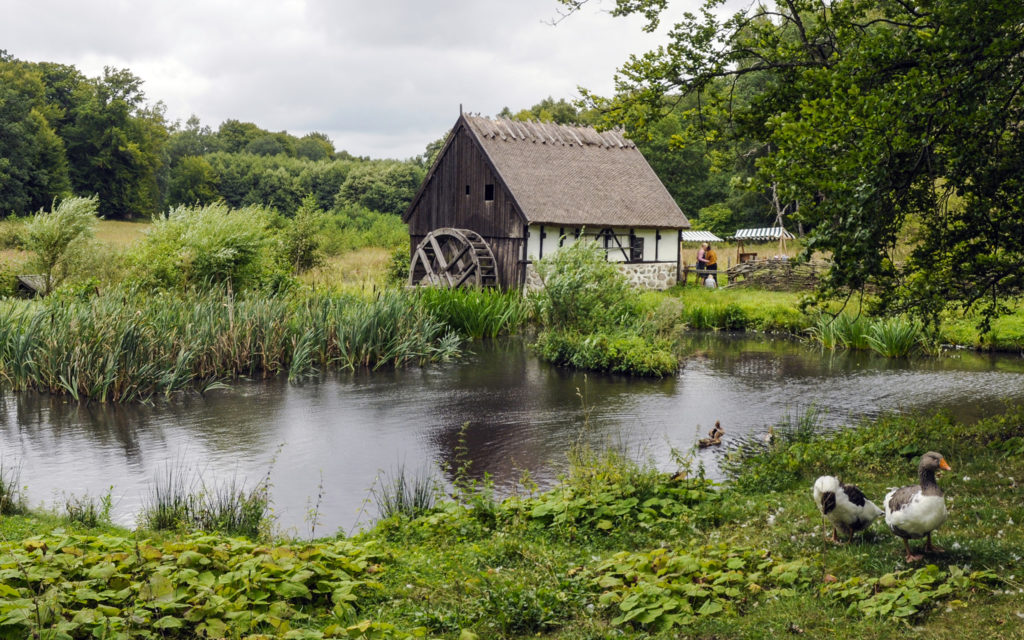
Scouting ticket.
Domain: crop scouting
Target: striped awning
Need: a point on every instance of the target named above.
(699, 236)
(762, 234)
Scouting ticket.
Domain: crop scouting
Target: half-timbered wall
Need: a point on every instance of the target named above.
(659, 245)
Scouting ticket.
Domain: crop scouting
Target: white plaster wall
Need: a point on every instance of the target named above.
(667, 248)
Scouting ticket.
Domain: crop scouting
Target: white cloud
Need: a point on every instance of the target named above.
(380, 78)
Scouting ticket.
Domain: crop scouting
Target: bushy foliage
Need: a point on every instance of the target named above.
(59, 237)
(299, 237)
(582, 290)
(203, 245)
(350, 228)
(625, 353)
(385, 186)
(593, 316)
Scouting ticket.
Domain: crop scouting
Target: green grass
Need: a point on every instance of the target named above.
(735, 309)
(617, 549)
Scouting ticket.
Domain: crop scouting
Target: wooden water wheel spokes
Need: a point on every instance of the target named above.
(452, 258)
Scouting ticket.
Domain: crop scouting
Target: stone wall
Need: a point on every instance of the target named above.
(642, 275)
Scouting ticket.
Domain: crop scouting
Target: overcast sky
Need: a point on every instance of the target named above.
(382, 78)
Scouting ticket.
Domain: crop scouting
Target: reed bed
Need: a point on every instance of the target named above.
(478, 313)
(125, 346)
(893, 337)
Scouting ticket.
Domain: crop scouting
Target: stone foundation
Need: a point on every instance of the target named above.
(657, 276)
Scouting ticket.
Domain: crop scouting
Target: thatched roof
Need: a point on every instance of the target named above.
(576, 176)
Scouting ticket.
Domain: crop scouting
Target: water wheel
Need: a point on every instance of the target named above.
(452, 258)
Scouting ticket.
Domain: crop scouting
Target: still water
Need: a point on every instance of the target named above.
(334, 437)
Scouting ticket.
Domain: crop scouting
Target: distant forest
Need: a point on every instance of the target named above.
(62, 133)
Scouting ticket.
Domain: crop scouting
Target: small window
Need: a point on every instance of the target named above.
(488, 192)
(467, 189)
(636, 248)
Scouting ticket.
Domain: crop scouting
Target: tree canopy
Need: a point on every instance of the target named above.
(888, 123)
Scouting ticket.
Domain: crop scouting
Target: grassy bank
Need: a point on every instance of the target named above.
(616, 550)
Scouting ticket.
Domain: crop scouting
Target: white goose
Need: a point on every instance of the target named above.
(844, 505)
(917, 510)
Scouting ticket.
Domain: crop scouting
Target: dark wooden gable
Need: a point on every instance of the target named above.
(463, 190)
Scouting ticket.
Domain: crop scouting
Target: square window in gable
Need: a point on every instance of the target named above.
(488, 192)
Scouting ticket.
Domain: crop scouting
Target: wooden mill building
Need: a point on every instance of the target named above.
(503, 193)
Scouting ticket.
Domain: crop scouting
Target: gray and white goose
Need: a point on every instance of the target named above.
(917, 510)
(845, 505)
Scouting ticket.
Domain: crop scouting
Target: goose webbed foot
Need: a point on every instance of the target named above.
(911, 557)
(931, 548)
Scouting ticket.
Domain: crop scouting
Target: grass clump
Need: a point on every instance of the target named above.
(12, 498)
(182, 501)
(88, 511)
(892, 337)
(397, 494)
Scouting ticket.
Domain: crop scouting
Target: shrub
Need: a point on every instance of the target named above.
(583, 291)
(60, 236)
(197, 246)
(301, 246)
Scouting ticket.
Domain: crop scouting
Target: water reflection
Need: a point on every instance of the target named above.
(519, 414)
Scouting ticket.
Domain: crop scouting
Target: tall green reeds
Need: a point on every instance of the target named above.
(12, 499)
(125, 346)
(477, 313)
(895, 337)
(398, 493)
(892, 337)
(181, 499)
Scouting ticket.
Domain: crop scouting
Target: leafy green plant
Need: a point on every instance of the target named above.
(664, 588)
(59, 236)
(195, 586)
(906, 594)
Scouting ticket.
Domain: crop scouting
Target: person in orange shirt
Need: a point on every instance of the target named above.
(712, 263)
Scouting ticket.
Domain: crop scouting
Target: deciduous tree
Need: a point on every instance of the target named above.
(869, 113)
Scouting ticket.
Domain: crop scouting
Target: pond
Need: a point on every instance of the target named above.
(509, 412)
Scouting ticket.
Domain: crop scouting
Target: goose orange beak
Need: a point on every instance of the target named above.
(944, 465)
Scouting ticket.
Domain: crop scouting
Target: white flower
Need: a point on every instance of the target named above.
(1010, 522)
(956, 546)
(967, 478)
(771, 521)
